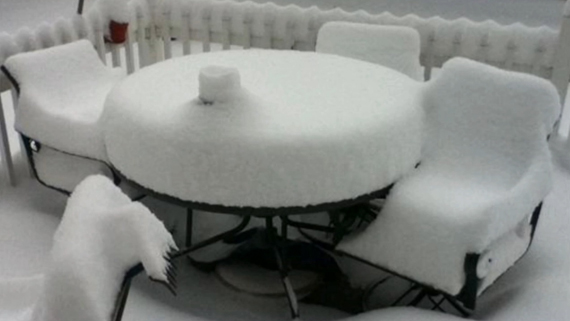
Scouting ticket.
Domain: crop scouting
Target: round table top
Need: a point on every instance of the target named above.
(305, 129)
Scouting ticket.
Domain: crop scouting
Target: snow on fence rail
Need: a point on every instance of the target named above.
(514, 47)
(154, 28)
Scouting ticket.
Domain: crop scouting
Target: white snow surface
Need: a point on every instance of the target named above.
(537, 288)
(304, 129)
(62, 91)
(395, 47)
(486, 166)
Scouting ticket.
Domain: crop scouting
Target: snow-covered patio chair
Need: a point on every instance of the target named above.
(102, 242)
(61, 94)
(396, 47)
(469, 211)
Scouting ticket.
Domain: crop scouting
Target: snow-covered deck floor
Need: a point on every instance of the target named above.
(538, 288)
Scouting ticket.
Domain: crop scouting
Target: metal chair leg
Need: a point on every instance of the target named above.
(216, 238)
(418, 298)
(121, 301)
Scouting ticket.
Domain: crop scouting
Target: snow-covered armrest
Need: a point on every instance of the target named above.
(102, 235)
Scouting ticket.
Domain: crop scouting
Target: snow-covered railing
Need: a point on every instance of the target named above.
(514, 47)
(162, 29)
(155, 27)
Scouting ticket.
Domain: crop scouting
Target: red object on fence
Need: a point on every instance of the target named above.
(117, 32)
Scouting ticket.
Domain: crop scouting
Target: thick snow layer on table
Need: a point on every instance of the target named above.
(62, 91)
(395, 47)
(486, 166)
(306, 128)
(101, 236)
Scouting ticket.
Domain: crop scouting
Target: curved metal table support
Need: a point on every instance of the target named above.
(274, 239)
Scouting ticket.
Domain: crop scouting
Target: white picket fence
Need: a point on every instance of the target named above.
(161, 31)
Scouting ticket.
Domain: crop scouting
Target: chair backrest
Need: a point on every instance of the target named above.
(67, 66)
(484, 118)
(396, 47)
(61, 88)
(102, 236)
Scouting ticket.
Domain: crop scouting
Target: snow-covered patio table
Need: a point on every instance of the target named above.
(302, 129)
(264, 133)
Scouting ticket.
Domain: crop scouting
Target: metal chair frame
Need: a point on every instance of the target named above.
(464, 302)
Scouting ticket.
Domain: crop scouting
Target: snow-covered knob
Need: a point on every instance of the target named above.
(217, 83)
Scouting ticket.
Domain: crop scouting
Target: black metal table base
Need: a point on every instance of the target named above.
(274, 240)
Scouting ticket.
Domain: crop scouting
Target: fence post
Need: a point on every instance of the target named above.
(5, 148)
(561, 64)
(156, 53)
(80, 7)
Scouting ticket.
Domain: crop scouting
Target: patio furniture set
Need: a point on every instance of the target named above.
(462, 160)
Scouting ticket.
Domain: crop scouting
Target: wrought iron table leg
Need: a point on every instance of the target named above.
(273, 240)
(189, 226)
(219, 237)
(284, 226)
